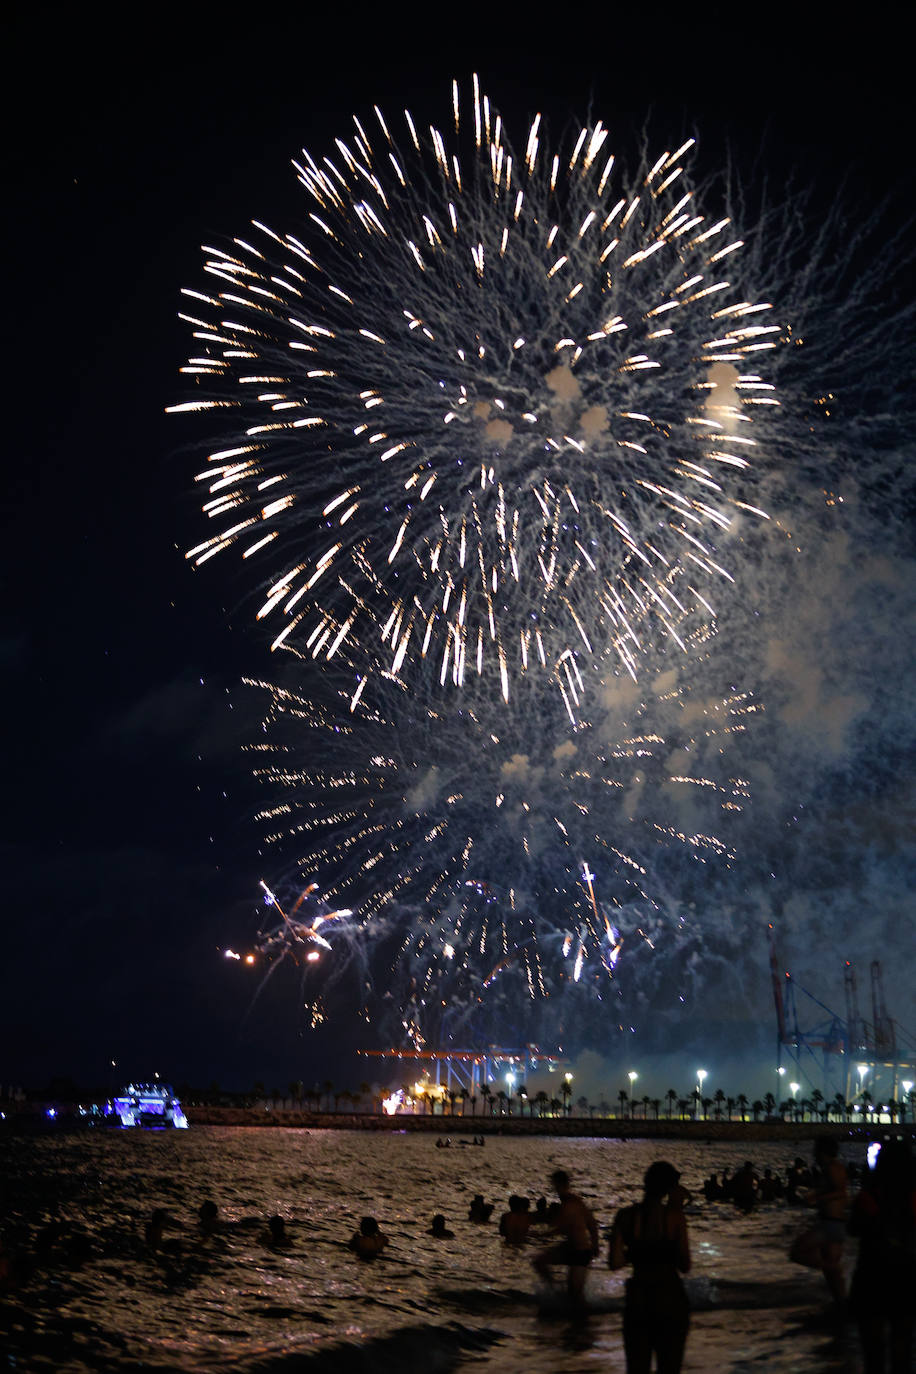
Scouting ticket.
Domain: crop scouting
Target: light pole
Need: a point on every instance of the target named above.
(702, 1075)
(861, 1070)
(632, 1075)
(907, 1086)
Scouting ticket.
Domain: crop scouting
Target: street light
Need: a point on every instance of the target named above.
(793, 1088)
(702, 1075)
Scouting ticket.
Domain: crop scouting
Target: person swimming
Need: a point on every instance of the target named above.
(368, 1242)
(439, 1229)
(275, 1236)
(478, 1210)
(515, 1224)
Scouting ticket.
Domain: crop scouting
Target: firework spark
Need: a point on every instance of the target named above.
(489, 408)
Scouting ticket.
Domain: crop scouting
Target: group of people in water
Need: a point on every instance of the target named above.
(651, 1238)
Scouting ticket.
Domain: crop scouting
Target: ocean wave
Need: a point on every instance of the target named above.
(434, 1349)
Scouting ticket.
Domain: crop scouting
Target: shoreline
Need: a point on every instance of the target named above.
(607, 1128)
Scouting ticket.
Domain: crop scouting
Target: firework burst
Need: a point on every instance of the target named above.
(500, 854)
(496, 409)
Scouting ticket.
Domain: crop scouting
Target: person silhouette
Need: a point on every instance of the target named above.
(514, 1224)
(652, 1236)
(576, 1223)
(478, 1210)
(882, 1294)
(828, 1195)
(368, 1241)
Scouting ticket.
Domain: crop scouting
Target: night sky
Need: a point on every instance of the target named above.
(130, 857)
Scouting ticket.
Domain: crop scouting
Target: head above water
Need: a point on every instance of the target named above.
(660, 1178)
(560, 1181)
(368, 1226)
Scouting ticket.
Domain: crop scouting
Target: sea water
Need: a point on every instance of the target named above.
(93, 1296)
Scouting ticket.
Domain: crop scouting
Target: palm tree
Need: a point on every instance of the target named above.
(839, 1106)
(742, 1104)
(730, 1106)
(719, 1098)
(464, 1099)
(682, 1105)
(623, 1098)
(582, 1104)
(707, 1103)
(769, 1102)
(521, 1093)
(817, 1098)
(670, 1098)
(502, 1100)
(566, 1092)
(542, 1099)
(604, 1107)
(486, 1092)
(656, 1106)
(757, 1108)
(556, 1106)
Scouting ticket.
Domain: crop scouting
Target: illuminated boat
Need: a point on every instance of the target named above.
(150, 1105)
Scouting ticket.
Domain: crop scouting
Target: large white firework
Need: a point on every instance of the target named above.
(489, 407)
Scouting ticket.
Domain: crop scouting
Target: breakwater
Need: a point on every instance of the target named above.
(610, 1128)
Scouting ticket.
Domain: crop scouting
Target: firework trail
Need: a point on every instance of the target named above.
(493, 408)
(499, 856)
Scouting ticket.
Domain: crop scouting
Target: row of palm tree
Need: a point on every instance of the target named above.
(515, 1100)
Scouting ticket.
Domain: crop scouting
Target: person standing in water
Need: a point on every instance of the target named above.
(576, 1222)
(652, 1236)
(828, 1193)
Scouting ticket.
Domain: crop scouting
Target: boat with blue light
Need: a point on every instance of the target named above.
(150, 1106)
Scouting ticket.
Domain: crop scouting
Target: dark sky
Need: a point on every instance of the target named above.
(129, 857)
